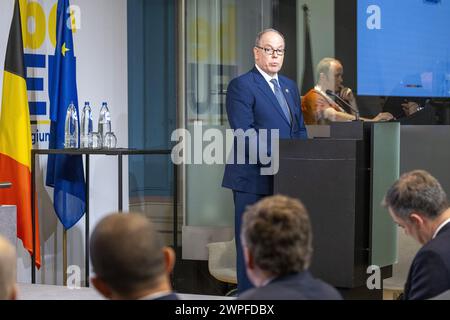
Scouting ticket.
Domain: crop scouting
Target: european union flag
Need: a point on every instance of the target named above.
(64, 173)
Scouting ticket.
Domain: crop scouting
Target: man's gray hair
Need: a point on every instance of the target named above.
(324, 66)
(260, 35)
(416, 191)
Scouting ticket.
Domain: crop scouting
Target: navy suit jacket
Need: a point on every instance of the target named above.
(170, 296)
(299, 286)
(429, 274)
(251, 104)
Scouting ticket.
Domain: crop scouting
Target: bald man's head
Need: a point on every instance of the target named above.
(7, 270)
(126, 253)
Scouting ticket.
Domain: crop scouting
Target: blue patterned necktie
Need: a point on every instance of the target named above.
(281, 99)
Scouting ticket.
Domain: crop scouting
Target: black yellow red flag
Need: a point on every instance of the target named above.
(15, 137)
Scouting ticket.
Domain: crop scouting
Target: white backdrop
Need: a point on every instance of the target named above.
(101, 51)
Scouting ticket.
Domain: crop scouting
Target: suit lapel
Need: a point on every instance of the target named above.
(267, 91)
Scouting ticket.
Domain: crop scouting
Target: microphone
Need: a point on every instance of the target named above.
(331, 93)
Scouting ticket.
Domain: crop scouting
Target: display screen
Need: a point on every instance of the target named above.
(404, 48)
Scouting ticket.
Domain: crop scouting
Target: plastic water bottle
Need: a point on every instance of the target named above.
(71, 128)
(104, 121)
(86, 125)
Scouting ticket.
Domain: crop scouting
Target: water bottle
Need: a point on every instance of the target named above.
(86, 126)
(71, 128)
(104, 121)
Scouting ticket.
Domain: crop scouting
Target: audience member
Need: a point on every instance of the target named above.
(277, 241)
(129, 260)
(419, 205)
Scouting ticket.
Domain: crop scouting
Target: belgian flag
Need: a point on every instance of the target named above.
(15, 137)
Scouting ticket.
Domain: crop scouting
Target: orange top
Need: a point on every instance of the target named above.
(313, 111)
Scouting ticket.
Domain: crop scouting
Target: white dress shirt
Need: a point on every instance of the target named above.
(268, 78)
(440, 227)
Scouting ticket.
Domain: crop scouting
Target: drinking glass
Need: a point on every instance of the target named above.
(95, 140)
(110, 140)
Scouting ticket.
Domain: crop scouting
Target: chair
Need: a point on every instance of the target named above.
(222, 261)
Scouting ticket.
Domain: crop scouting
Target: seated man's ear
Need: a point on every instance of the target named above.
(248, 257)
(102, 287)
(416, 219)
(169, 259)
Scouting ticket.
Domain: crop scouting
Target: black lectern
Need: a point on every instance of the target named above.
(341, 181)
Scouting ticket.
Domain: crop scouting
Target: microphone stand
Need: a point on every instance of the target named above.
(331, 93)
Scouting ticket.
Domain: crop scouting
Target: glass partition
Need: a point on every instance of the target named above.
(385, 170)
(220, 35)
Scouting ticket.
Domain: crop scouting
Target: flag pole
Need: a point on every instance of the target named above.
(64, 257)
(308, 69)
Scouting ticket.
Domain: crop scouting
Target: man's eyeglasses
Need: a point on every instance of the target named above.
(270, 51)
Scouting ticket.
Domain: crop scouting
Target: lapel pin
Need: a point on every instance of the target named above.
(287, 90)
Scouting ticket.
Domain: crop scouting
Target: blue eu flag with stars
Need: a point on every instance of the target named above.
(64, 172)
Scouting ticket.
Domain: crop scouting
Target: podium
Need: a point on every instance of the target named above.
(342, 180)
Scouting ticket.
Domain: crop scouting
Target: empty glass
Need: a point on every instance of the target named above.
(110, 140)
(95, 140)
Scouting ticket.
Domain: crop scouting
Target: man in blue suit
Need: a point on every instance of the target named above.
(277, 242)
(419, 205)
(257, 101)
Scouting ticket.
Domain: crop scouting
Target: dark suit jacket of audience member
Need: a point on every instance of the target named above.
(429, 274)
(300, 286)
(443, 296)
(170, 296)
